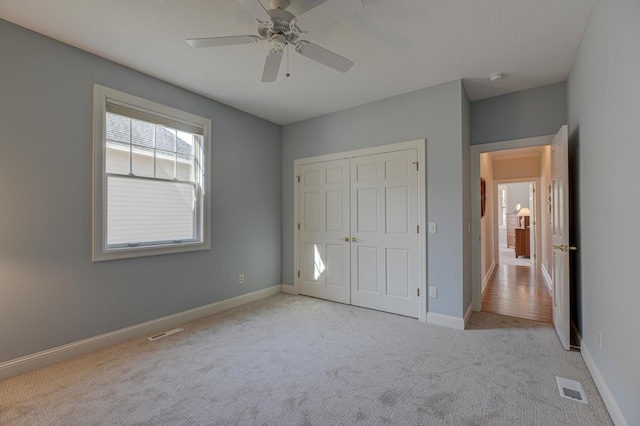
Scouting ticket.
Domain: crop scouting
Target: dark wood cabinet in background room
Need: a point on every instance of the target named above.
(522, 242)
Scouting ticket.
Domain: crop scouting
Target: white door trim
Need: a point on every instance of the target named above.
(420, 145)
(476, 150)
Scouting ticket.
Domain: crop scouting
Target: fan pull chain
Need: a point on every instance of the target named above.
(288, 74)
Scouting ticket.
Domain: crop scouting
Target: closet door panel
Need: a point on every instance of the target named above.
(324, 258)
(385, 228)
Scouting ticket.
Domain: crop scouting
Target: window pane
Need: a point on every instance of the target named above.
(118, 128)
(142, 164)
(165, 139)
(143, 211)
(199, 157)
(184, 143)
(165, 165)
(117, 158)
(185, 170)
(142, 133)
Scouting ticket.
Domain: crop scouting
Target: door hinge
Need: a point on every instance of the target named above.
(417, 165)
(298, 274)
(298, 177)
(418, 292)
(418, 229)
(298, 226)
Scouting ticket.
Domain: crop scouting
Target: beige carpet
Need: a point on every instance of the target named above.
(292, 360)
(508, 257)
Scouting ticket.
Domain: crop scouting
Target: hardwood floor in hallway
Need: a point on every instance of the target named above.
(518, 291)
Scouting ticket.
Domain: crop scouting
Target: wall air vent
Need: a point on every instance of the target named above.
(165, 334)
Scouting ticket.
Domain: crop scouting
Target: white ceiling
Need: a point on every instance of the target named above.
(398, 46)
(510, 154)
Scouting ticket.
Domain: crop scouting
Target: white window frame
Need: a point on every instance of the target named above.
(103, 95)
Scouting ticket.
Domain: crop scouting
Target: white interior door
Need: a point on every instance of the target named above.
(560, 235)
(384, 220)
(324, 257)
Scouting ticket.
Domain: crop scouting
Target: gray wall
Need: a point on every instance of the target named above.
(434, 113)
(534, 112)
(50, 291)
(604, 110)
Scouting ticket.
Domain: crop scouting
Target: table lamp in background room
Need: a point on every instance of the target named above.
(524, 214)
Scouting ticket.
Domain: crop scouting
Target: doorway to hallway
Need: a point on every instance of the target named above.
(552, 208)
(511, 234)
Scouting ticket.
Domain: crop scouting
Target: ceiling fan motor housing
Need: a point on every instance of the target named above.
(278, 30)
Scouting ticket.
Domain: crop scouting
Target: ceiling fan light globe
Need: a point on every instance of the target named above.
(278, 4)
(278, 41)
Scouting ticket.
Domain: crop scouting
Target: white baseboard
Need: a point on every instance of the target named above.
(605, 392)
(446, 321)
(31, 362)
(547, 278)
(485, 280)
(290, 289)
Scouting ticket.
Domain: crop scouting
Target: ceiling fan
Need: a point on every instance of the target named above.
(281, 28)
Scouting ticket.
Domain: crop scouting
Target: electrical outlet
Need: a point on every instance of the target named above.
(241, 279)
(433, 292)
(599, 339)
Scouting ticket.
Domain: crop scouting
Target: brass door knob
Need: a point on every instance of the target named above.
(346, 239)
(564, 247)
(354, 239)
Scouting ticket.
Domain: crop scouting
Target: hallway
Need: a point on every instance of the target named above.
(518, 291)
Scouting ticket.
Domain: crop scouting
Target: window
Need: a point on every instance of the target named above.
(150, 194)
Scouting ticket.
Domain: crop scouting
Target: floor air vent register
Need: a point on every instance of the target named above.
(571, 389)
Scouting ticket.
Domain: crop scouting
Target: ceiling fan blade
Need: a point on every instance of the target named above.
(324, 56)
(222, 41)
(255, 8)
(272, 66)
(327, 13)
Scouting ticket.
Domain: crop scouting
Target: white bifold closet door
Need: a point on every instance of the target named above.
(359, 231)
(324, 230)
